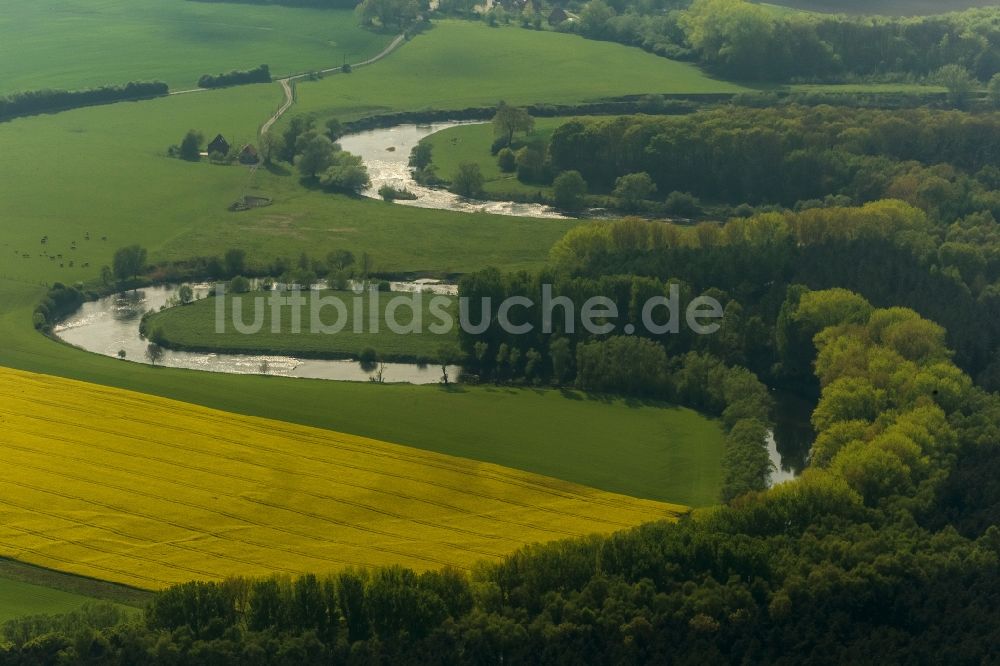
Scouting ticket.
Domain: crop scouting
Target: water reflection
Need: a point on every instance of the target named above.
(792, 437)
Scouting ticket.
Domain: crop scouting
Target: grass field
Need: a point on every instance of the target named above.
(148, 492)
(112, 178)
(30, 590)
(105, 170)
(18, 598)
(459, 64)
(193, 327)
(79, 43)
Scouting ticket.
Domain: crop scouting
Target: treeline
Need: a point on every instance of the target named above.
(743, 40)
(942, 161)
(43, 101)
(858, 540)
(337, 268)
(236, 77)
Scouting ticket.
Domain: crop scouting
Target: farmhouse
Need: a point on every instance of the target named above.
(218, 145)
(249, 155)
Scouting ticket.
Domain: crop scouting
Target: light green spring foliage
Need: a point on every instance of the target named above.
(888, 384)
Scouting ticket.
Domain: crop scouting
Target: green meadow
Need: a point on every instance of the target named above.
(193, 326)
(459, 64)
(81, 43)
(866, 88)
(112, 178)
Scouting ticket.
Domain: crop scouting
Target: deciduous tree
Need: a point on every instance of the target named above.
(510, 120)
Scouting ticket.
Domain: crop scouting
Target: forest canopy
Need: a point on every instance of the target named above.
(747, 41)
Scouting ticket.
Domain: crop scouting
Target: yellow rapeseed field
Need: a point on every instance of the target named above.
(148, 492)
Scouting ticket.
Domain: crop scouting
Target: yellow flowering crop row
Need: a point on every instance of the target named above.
(148, 492)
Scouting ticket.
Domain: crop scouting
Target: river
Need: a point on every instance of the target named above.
(111, 324)
(386, 153)
(792, 438)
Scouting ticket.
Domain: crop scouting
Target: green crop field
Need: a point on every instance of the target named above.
(18, 598)
(79, 43)
(193, 326)
(461, 64)
(29, 590)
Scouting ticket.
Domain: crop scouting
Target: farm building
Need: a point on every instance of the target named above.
(219, 145)
(249, 155)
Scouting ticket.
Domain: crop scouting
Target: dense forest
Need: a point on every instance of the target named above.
(889, 251)
(941, 161)
(739, 39)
